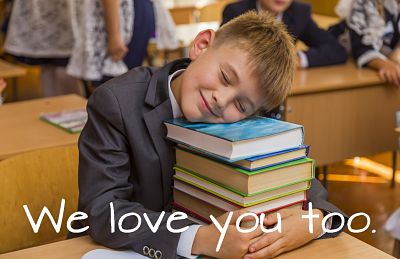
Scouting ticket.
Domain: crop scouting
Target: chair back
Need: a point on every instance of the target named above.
(36, 179)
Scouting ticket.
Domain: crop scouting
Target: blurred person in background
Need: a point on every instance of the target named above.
(102, 29)
(370, 31)
(111, 36)
(323, 48)
(143, 29)
(39, 33)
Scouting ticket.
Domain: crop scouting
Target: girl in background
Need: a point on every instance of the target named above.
(373, 30)
(102, 30)
(143, 30)
(39, 33)
(112, 36)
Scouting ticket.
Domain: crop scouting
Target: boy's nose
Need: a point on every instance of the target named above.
(224, 96)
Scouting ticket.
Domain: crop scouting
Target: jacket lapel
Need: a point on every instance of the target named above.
(157, 97)
(154, 122)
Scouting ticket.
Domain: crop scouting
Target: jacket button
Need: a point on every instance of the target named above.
(146, 250)
(152, 252)
(158, 254)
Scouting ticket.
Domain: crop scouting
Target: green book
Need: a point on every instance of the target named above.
(233, 195)
(245, 181)
(72, 121)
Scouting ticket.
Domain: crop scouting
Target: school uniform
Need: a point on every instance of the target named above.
(125, 158)
(143, 30)
(364, 51)
(323, 50)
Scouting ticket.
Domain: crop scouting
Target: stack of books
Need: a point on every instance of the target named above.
(260, 164)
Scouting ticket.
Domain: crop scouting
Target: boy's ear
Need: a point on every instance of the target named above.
(201, 43)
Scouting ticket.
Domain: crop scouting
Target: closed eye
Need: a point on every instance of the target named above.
(240, 106)
(225, 78)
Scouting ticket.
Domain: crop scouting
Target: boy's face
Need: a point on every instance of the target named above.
(218, 86)
(275, 6)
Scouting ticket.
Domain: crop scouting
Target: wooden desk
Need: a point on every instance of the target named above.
(8, 70)
(21, 130)
(345, 111)
(11, 71)
(344, 247)
(186, 11)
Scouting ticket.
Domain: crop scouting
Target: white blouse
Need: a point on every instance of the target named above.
(40, 29)
(89, 58)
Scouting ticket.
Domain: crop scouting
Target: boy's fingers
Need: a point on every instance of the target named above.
(387, 77)
(393, 78)
(382, 75)
(397, 76)
(235, 216)
(271, 219)
(264, 241)
(238, 213)
(270, 251)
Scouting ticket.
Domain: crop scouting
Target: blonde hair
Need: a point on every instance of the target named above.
(381, 8)
(270, 49)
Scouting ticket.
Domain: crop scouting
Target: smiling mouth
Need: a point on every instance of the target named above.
(207, 106)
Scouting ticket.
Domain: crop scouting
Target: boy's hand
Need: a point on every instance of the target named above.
(294, 234)
(234, 245)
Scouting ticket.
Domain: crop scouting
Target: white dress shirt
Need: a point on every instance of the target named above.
(187, 237)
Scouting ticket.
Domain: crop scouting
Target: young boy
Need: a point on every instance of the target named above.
(323, 50)
(125, 158)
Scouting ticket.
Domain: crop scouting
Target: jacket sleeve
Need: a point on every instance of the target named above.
(324, 49)
(105, 173)
(362, 53)
(318, 196)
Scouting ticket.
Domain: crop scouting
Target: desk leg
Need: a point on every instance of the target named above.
(394, 168)
(325, 173)
(14, 89)
(396, 248)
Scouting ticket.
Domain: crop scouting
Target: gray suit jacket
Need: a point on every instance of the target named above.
(124, 158)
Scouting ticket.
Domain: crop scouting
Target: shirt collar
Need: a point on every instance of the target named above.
(176, 110)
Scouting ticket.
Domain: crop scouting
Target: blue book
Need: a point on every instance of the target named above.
(253, 163)
(240, 140)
